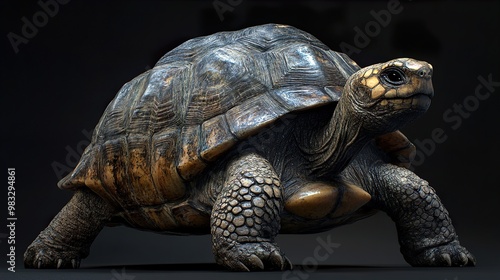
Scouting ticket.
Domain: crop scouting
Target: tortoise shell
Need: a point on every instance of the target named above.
(167, 125)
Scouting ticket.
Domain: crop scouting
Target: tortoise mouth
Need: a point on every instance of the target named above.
(417, 101)
(428, 93)
(421, 101)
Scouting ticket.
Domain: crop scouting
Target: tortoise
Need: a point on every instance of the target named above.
(250, 133)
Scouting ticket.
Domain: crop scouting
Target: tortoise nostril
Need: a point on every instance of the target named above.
(424, 72)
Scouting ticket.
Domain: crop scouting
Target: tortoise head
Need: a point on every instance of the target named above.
(386, 96)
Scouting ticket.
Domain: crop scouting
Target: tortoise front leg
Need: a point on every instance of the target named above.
(426, 234)
(69, 235)
(246, 217)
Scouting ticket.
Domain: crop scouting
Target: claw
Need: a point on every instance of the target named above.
(472, 260)
(288, 264)
(239, 266)
(447, 258)
(39, 264)
(256, 261)
(59, 263)
(464, 259)
(74, 263)
(276, 257)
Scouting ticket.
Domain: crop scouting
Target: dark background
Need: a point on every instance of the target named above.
(59, 83)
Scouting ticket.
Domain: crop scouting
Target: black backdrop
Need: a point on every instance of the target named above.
(62, 65)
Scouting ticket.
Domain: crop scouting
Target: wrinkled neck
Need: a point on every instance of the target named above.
(338, 142)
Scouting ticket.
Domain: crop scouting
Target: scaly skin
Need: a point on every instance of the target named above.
(425, 231)
(246, 217)
(69, 235)
(426, 234)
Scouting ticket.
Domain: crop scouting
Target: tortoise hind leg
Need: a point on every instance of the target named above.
(246, 217)
(69, 235)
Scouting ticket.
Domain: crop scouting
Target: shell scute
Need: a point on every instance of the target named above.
(115, 121)
(250, 117)
(189, 161)
(163, 165)
(222, 80)
(216, 138)
(138, 170)
(113, 177)
(302, 97)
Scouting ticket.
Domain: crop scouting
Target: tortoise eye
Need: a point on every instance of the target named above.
(393, 76)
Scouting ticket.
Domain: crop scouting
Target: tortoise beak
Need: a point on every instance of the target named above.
(422, 80)
(423, 77)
